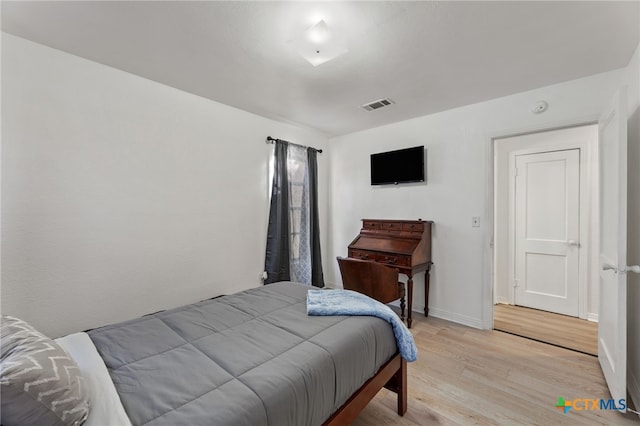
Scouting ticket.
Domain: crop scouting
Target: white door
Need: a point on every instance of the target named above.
(612, 324)
(547, 231)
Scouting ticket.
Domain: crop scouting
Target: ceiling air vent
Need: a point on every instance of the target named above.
(378, 104)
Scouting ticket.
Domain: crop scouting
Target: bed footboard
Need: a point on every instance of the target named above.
(392, 375)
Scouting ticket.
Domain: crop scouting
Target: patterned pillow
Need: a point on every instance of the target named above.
(40, 384)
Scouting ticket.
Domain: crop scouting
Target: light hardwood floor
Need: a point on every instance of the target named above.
(561, 330)
(465, 376)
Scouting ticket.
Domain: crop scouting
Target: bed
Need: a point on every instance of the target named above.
(251, 358)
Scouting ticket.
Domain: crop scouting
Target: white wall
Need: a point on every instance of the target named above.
(459, 174)
(122, 196)
(633, 228)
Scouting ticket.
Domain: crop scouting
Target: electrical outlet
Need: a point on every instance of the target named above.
(475, 221)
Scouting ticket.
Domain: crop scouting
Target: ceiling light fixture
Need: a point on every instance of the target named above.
(318, 44)
(319, 33)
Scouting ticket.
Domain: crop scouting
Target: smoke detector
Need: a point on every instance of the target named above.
(539, 107)
(378, 104)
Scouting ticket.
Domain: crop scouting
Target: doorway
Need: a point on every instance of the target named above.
(545, 235)
(556, 329)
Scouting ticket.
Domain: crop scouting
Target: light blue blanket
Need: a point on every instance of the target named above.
(347, 302)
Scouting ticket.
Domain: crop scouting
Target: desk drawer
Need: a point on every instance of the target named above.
(413, 227)
(369, 224)
(393, 259)
(362, 254)
(391, 226)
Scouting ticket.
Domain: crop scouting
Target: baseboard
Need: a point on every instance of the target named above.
(453, 317)
(502, 300)
(592, 317)
(445, 315)
(633, 387)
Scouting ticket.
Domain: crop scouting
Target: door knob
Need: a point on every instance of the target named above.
(573, 243)
(622, 269)
(632, 268)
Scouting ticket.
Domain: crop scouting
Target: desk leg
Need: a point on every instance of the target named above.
(426, 292)
(410, 291)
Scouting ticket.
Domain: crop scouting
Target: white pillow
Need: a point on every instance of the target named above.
(106, 407)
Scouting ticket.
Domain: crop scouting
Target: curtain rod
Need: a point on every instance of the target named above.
(272, 140)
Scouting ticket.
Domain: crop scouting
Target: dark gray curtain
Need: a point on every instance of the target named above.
(277, 257)
(317, 277)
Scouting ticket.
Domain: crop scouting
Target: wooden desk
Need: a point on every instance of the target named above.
(402, 244)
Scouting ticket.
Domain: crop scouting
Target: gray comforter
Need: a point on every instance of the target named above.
(251, 358)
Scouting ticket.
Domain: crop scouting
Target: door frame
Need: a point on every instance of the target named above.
(491, 256)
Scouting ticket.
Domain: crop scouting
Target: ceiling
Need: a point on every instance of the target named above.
(425, 56)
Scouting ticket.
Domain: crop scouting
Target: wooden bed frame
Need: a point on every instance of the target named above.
(392, 375)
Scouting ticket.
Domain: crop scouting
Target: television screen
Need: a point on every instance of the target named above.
(401, 166)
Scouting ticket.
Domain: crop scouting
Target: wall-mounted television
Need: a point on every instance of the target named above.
(401, 166)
